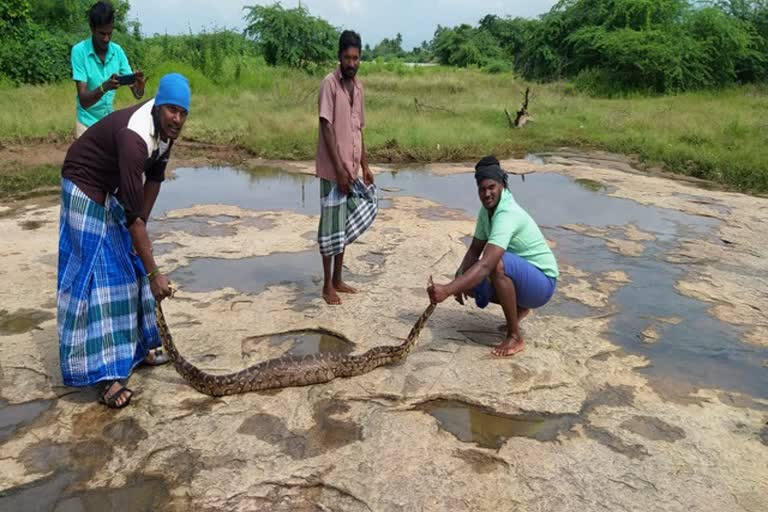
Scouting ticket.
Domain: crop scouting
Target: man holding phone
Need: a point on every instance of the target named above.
(99, 67)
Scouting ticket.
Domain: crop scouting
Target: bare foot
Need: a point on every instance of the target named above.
(330, 296)
(344, 288)
(509, 347)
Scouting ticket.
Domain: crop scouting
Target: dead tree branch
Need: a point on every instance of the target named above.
(522, 115)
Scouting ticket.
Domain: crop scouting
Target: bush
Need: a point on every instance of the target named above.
(465, 46)
(498, 66)
(598, 82)
(731, 47)
(207, 52)
(649, 45)
(36, 56)
(291, 37)
(36, 40)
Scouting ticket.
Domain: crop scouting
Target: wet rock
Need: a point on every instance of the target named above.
(357, 443)
(650, 335)
(16, 416)
(22, 320)
(615, 443)
(327, 434)
(652, 428)
(609, 396)
(126, 432)
(481, 462)
(29, 225)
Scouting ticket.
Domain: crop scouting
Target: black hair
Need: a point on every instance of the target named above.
(101, 13)
(349, 39)
(489, 168)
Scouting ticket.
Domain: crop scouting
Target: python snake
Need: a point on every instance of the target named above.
(287, 370)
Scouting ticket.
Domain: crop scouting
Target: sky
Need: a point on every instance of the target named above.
(416, 20)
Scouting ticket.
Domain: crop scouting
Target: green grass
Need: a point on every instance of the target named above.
(21, 180)
(272, 113)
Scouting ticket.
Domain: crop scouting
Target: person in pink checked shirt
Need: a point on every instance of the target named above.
(348, 204)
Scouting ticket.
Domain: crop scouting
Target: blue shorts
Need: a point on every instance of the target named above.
(533, 288)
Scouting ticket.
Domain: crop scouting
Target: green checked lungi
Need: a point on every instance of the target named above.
(105, 310)
(344, 217)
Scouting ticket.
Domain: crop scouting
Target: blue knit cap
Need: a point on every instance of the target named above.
(173, 90)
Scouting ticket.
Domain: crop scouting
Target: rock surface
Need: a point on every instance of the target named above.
(624, 440)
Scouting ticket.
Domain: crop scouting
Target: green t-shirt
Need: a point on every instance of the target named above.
(512, 229)
(88, 68)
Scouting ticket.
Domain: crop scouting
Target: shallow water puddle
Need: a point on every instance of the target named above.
(475, 424)
(260, 189)
(301, 343)
(250, 275)
(70, 466)
(143, 494)
(268, 189)
(16, 416)
(307, 343)
(50, 494)
(700, 348)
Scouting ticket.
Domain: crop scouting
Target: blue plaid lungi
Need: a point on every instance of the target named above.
(344, 217)
(105, 309)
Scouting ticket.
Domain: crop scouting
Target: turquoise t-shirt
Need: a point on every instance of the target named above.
(512, 229)
(88, 68)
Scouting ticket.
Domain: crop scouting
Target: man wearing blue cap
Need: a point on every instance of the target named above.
(108, 280)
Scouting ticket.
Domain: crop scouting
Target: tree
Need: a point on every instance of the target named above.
(291, 37)
(14, 14)
(511, 33)
(37, 37)
(465, 46)
(421, 53)
(389, 48)
(651, 45)
(72, 15)
(732, 47)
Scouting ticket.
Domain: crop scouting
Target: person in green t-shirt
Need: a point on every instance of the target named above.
(509, 261)
(96, 64)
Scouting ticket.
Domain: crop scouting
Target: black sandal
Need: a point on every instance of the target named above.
(111, 400)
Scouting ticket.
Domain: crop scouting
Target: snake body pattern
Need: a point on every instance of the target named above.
(287, 371)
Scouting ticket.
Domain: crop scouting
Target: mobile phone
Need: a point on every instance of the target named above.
(126, 79)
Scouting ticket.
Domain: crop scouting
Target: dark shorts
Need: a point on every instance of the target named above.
(533, 288)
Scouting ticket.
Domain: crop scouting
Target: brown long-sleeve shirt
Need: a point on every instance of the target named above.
(113, 156)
